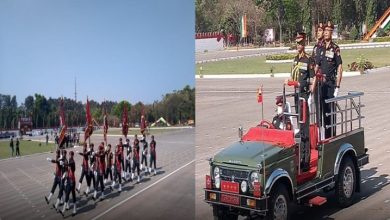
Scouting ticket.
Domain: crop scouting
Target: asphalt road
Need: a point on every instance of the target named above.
(25, 181)
(222, 105)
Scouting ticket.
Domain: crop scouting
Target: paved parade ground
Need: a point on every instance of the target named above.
(222, 105)
(168, 195)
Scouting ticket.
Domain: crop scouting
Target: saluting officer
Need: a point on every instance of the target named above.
(302, 71)
(329, 63)
(320, 40)
(315, 54)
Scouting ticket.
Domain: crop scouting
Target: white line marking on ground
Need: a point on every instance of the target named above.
(39, 182)
(139, 192)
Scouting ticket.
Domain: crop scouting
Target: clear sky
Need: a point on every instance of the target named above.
(118, 49)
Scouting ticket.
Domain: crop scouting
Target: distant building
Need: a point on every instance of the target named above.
(25, 125)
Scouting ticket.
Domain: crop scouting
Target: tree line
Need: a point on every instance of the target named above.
(287, 17)
(176, 107)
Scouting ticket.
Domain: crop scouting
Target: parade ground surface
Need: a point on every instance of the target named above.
(168, 195)
(222, 105)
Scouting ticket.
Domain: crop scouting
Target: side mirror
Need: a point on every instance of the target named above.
(240, 132)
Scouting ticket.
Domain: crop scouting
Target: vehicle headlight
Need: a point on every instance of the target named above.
(244, 186)
(217, 180)
(254, 178)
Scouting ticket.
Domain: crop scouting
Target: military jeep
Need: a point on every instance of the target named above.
(260, 174)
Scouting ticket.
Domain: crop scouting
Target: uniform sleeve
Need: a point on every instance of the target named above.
(311, 67)
(338, 59)
(317, 58)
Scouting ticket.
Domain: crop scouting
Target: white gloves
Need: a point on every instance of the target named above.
(309, 100)
(48, 159)
(61, 163)
(336, 92)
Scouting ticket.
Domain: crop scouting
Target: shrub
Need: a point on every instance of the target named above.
(382, 39)
(380, 33)
(286, 56)
(361, 64)
(354, 34)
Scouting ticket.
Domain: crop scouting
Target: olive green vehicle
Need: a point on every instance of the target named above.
(260, 175)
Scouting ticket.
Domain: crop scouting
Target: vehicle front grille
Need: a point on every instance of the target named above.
(238, 175)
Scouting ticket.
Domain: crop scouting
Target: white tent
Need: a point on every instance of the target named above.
(160, 120)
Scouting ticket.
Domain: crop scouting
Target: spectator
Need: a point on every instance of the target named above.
(11, 145)
(17, 148)
(47, 138)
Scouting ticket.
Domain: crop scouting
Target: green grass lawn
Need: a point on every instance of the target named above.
(254, 65)
(26, 148)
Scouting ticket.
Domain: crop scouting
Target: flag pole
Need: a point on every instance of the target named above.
(262, 103)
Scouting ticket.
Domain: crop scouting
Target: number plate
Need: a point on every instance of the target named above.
(230, 199)
(231, 187)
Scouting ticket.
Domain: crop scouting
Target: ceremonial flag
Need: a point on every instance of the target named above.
(105, 125)
(63, 126)
(89, 128)
(260, 94)
(243, 27)
(125, 126)
(143, 121)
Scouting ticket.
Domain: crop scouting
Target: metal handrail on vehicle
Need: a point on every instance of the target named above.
(349, 112)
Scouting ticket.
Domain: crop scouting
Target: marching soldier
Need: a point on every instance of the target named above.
(329, 63)
(101, 167)
(70, 185)
(128, 159)
(121, 146)
(153, 155)
(109, 156)
(303, 70)
(84, 168)
(117, 167)
(57, 175)
(92, 169)
(136, 159)
(144, 153)
(64, 172)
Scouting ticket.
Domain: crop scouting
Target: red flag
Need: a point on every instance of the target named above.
(125, 126)
(143, 121)
(89, 128)
(105, 125)
(260, 94)
(63, 126)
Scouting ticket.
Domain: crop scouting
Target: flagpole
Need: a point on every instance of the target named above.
(262, 104)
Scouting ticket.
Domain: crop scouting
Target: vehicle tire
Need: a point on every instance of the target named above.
(346, 183)
(279, 204)
(221, 213)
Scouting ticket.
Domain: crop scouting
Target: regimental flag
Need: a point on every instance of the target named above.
(63, 126)
(243, 26)
(260, 94)
(105, 125)
(143, 121)
(89, 128)
(125, 125)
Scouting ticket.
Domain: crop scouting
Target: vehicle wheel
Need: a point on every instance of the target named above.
(279, 204)
(221, 213)
(346, 183)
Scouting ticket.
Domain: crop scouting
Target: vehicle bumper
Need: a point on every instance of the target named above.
(363, 160)
(238, 201)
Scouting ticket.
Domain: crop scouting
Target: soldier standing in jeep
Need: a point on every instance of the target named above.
(302, 71)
